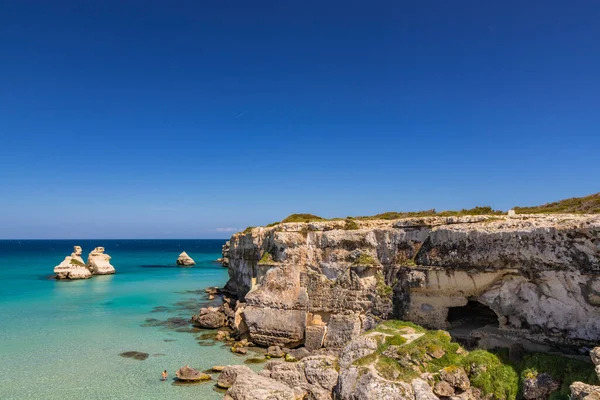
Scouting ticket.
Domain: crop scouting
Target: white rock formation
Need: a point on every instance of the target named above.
(99, 263)
(72, 267)
(184, 260)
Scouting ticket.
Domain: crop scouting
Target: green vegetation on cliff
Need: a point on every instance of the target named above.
(76, 262)
(402, 357)
(563, 369)
(303, 218)
(576, 205)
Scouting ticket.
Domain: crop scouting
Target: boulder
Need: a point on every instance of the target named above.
(99, 263)
(367, 385)
(72, 267)
(230, 373)
(456, 377)
(184, 260)
(583, 391)
(539, 387)
(315, 336)
(191, 375)
(275, 352)
(595, 355)
(444, 389)
(251, 386)
(296, 354)
(210, 318)
(422, 390)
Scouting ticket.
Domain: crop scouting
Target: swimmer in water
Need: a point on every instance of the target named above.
(164, 375)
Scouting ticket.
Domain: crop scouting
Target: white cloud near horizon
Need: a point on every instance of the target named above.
(227, 229)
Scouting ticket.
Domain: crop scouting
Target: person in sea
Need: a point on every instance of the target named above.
(164, 375)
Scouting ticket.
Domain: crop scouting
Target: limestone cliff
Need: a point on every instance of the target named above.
(322, 283)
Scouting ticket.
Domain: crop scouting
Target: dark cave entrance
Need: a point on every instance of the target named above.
(472, 316)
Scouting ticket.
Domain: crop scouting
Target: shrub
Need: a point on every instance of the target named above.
(365, 259)
(267, 258)
(497, 378)
(302, 218)
(248, 229)
(350, 225)
(576, 205)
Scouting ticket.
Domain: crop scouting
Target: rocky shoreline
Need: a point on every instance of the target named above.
(310, 291)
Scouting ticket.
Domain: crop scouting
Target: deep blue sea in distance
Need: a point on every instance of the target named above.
(62, 339)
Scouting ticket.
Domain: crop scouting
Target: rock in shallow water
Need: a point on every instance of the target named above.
(184, 260)
(188, 374)
(99, 263)
(210, 318)
(72, 267)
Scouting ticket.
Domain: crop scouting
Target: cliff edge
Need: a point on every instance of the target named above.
(496, 277)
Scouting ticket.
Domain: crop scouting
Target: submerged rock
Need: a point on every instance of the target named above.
(99, 263)
(184, 260)
(72, 267)
(136, 355)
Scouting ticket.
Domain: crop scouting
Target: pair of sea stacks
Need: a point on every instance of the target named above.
(73, 267)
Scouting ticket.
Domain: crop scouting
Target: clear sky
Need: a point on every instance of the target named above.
(184, 119)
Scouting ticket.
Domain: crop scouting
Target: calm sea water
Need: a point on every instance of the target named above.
(62, 339)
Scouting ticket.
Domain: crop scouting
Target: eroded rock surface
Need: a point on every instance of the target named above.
(319, 284)
(72, 267)
(184, 260)
(210, 318)
(99, 262)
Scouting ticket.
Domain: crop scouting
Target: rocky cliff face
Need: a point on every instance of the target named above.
(322, 283)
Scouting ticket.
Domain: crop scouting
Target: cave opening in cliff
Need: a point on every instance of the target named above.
(474, 315)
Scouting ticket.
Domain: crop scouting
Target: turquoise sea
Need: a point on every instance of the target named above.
(62, 339)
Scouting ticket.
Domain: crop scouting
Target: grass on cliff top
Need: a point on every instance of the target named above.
(303, 218)
(76, 262)
(350, 224)
(576, 205)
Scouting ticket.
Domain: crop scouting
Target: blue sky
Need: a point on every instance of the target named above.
(155, 119)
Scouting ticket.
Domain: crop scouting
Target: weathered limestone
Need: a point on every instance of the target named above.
(72, 267)
(188, 374)
(245, 384)
(320, 285)
(210, 318)
(583, 391)
(225, 253)
(184, 260)
(99, 263)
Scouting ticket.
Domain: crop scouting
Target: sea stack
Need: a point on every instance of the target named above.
(72, 267)
(99, 263)
(185, 261)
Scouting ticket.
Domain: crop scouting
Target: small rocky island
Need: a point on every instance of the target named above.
(73, 267)
(184, 260)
